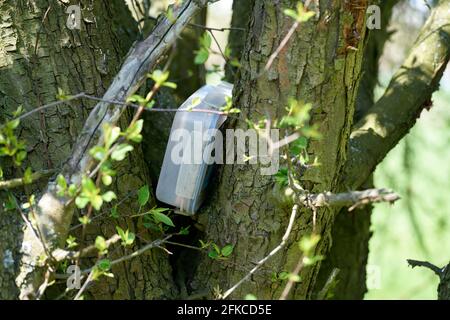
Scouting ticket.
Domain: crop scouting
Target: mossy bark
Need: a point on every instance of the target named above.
(316, 66)
(38, 55)
(351, 231)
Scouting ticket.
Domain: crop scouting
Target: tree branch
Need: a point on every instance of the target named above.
(18, 182)
(61, 254)
(415, 263)
(353, 199)
(53, 216)
(407, 95)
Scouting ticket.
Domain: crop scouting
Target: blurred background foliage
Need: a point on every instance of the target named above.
(418, 225)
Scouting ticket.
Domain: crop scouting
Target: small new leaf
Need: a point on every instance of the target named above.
(227, 250)
(143, 195)
(100, 244)
(121, 152)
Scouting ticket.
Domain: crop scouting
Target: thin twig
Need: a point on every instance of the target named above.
(195, 25)
(281, 46)
(60, 254)
(85, 284)
(18, 182)
(271, 254)
(156, 243)
(291, 280)
(326, 288)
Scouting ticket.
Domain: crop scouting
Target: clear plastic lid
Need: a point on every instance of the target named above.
(187, 164)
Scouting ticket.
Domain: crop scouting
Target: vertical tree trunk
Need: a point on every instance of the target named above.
(38, 55)
(316, 66)
(242, 12)
(351, 231)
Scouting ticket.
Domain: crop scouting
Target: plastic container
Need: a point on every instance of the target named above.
(188, 164)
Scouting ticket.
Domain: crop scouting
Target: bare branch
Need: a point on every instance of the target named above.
(330, 281)
(353, 199)
(415, 263)
(153, 244)
(18, 182)
(60, 254)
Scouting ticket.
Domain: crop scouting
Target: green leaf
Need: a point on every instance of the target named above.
(150, 104)
(61, 182)
(100, 244)
(216, 248)
(110, 135)
(161, 217)
(213, 254)
(309, 261)
(121, 151)
(195, 102)
(71, 242)
(298, 145)
(120, 232)
(84, 220)
(126, 236)
(109, 196)
(133, 133)
(283, 275)
(72, 191)
(205, 40)
(294, 277)
(184, 231)
(88, 186)
(227, 250)
(61, 95)
(291, 13)
(159, 77)
(201, 56)
(308, 243)
(96, 202)
(130, 239)
(98, 153)
(104, 264)
(20, 156)
(137, 99)
(250, 297)
(171, 85)
(81, 202)
(235, 63)
(27, 176)
(114, 212)
(281, 177)
(18, 111)
(143, 195)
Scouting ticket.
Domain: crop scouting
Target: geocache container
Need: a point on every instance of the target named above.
(187, 164)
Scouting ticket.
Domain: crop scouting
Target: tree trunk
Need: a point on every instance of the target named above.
(38, 55)
(246, 210)
(351, 231)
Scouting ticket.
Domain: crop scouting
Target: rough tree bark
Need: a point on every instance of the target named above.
(38, 55)
(316, 66)
(351, 231)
